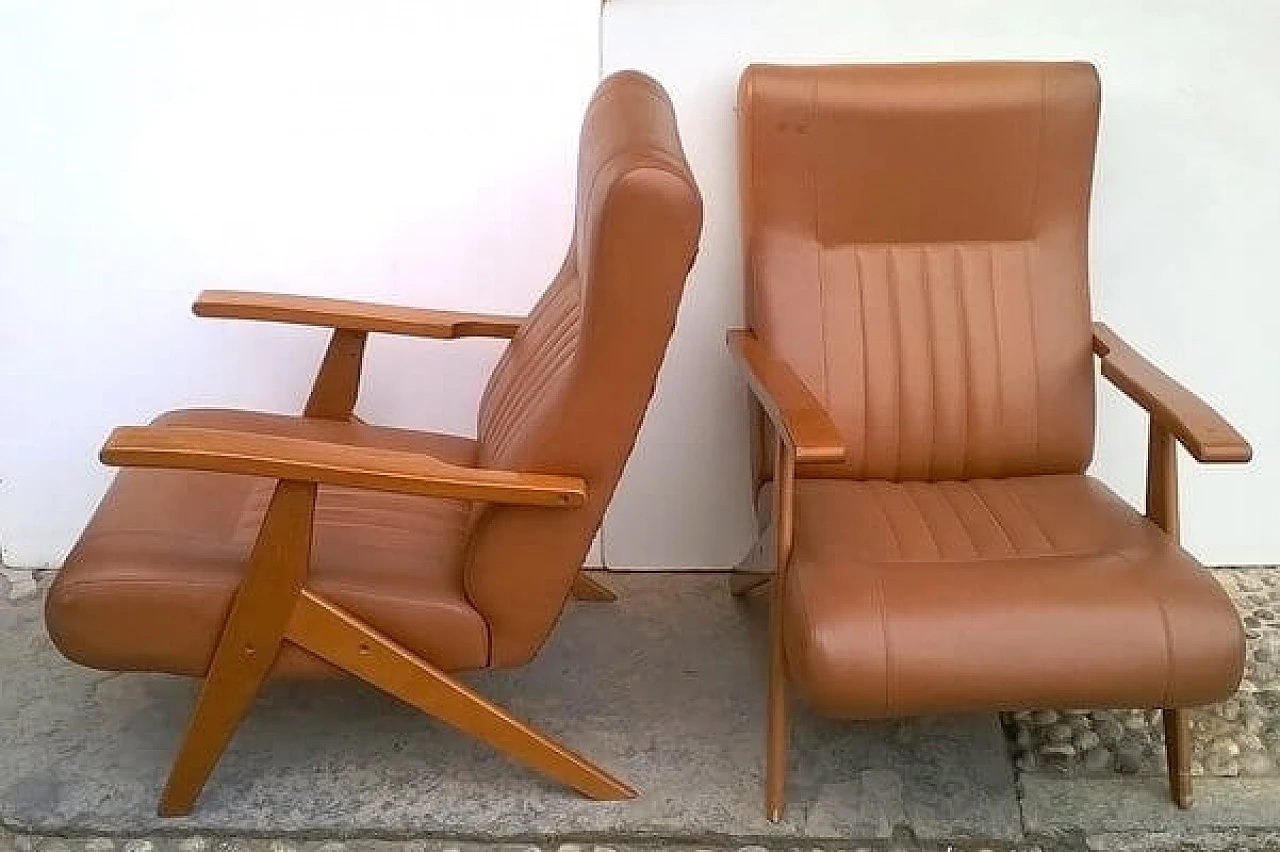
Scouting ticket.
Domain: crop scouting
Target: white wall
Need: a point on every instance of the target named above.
(422, 152)
(391, 149)
(1187, 210)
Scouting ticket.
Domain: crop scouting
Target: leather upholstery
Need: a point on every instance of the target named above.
(916, 251)
(997, 594)
(149, 584)
(571, 390)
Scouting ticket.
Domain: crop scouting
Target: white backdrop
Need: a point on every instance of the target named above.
(423, 153)
(1186, 217)
(390, 149)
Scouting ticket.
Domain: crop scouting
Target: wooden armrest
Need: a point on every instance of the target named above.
(1204, 432)
(354, 316)
(330, 463)
(798, 416)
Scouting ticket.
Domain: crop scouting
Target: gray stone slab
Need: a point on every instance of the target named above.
(664, 687)
(1139, 805)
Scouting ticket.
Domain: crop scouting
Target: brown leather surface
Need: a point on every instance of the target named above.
(915, 250)
(148, 586)
(570, 392)
(997, 594)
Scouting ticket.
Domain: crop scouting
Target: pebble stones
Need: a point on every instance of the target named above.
(1239, 737)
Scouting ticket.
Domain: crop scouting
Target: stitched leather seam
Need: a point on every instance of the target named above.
(1040, 529)
(889, 678)
(932, 419)
(893, 533)
(945, 490)
(924, 518)
(1164, 623)
(895, 325)
(998, 369)
(962, 317)
(973, 487)
(861, 466)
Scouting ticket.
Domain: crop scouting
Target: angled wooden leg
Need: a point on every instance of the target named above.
(743, 583)
(778, 731)
(249, 642)
(348, 643)
(756, 570)
(587, 589)
(1177, 748)
(777, 735)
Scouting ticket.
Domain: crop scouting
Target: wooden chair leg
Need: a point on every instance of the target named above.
(249, 643)
(743, 583)
(587, 589)
(777, 734)
(348, 643)
(1177, 747)
(778, 730)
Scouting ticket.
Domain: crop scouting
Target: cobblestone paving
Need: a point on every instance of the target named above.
(1238, 738)
(903, 841)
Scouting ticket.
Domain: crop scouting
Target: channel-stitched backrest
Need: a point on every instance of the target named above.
(916, 250)
(572, 388)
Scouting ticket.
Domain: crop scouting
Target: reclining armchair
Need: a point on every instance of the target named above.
(921, 348)
(239, 546)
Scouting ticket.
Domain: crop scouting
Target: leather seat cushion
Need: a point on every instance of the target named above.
(908, 598)
(149, 584)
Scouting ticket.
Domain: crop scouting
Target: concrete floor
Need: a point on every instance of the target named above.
(664, 688)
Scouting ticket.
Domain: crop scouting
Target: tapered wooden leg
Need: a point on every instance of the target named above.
(778, 731)
(587, 589)
(1177, 747)
(348, 643)
(777, 735)
(249, 642)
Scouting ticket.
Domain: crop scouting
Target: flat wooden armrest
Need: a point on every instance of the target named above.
(1203, 431)
(330, 463)
(798, 416)
(353, 316)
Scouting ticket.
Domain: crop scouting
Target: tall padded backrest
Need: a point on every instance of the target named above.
(569, 394)
(915, 241)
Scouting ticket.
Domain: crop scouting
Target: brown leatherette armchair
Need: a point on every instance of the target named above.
(921, 346)
(239, 546)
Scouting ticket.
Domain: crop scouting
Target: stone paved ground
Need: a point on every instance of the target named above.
(1088, 780)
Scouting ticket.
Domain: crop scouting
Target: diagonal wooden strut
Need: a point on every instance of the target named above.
(587, 589)
(249, 643)
(345, 641)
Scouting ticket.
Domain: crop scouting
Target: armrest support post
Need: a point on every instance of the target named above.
(337, 383)
(1162, 478)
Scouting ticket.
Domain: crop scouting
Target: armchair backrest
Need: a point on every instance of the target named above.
(915, 242)
(569, 394)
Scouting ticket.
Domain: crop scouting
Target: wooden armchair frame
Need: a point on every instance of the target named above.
(273, 604)
(804, 432)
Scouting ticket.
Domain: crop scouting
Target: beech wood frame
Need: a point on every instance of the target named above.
(804, 431)
(273, 604)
